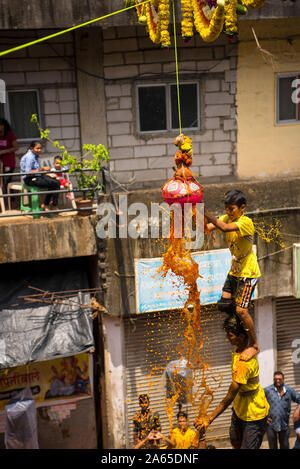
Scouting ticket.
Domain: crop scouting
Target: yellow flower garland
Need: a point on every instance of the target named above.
(253, 3)
(231, 16)
(158, 28)
(187, 19)
(208, 30)
(153, 26)
(141, 12)
(164, 13)
(156, 15)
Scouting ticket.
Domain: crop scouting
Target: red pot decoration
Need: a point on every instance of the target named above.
(181, 191)
(183, 187)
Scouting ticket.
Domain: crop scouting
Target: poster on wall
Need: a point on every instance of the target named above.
(296, 266)
(155, 293)
(61, 380)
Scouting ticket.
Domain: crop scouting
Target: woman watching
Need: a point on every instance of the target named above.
(8, 147)
(30, 164)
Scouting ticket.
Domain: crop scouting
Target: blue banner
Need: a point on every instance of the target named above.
(155, 293)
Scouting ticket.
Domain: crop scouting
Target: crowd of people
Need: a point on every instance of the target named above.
(147, 430)
(30, 164)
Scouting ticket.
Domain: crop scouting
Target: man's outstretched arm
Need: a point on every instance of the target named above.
(228, 399)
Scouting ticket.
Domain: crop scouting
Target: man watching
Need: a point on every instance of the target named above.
(145, 420)
(279, 397)
(297, 427)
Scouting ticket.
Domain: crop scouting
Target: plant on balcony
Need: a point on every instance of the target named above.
(85, 170)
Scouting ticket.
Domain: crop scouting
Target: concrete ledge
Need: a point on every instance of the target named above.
(262, 194)
(64, 13)
(34, 240)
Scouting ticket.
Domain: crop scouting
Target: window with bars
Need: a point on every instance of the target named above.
(158, 107)
(18, 109)
(288, 98)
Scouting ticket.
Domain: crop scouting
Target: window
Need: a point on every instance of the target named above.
(158, 107)
(288, 98)
(18, 109)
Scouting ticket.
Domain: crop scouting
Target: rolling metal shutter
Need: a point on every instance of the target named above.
(151, 342)
(288, 329)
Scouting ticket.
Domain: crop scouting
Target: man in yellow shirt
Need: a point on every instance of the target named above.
(244, 273)
(250, 406)
(183, 436)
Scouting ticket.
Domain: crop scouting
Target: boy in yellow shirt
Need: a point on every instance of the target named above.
(250, 406)
(183, 436)
(244, 273)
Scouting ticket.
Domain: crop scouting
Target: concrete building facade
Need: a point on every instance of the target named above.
(87, 85)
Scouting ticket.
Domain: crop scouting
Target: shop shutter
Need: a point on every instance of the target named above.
(151, 342)
(288, 331)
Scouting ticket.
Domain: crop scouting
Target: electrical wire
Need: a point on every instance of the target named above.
(73, 28)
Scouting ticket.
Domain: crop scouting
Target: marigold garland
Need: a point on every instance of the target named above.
(187, 19)
(253, 3)
(141, 11)
(209, 17)
(163, 14)
(209, 30)
(153, 23)
(230, 17)
(157, 16)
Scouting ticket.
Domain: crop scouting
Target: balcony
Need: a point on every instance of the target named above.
(61, 233)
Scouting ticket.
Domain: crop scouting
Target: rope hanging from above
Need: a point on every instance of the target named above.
(73, 28)
(183, 187)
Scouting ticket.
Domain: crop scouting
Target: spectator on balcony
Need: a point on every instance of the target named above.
(30, 164)
(8, 147)
(61, 176)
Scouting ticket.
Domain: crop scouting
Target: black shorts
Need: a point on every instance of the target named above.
(246, 435)
(241, 289)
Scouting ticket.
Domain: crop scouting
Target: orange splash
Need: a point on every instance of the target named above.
(178, 259)
(170, 408)
(269, 232)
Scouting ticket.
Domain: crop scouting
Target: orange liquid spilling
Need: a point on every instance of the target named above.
(269, 232)
(178, 259)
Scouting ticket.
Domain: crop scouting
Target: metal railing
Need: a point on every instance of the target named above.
(44, 192)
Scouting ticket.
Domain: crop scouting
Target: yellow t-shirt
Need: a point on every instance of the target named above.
(253, 406)
(244, 263)
(183, 440)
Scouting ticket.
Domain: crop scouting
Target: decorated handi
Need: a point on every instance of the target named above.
(183, 187)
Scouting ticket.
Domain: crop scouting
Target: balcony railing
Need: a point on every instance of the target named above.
(43, 192)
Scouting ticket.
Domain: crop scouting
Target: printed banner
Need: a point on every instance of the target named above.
(52, 381)
(155, 293)
(296, 265)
